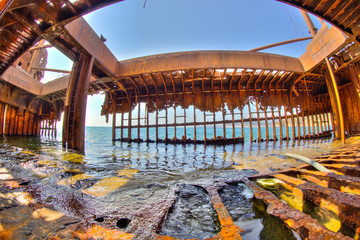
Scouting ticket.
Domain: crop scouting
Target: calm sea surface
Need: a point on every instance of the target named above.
(103, 157)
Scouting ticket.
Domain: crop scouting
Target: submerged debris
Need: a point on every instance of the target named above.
(191, 216)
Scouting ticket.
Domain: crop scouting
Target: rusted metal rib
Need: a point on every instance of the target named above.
(301, 223)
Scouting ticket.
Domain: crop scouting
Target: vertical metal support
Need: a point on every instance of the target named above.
(129, 118)
(204, 126)
(17, 124)
(223, 116)
(39, 120)
(157, 122)
(166, 124)
(8, 120)
(214, 125)
(318, 119)
(258, 120)
(313, 124)
(55, 128)
(323, 122)
(280, 124)
(175, 122)
(292, 120)
(329, 119)
(194, 124)
(2, 108)
(193, 97)
(34, 126)
(298, 122)
(324, 117)
(44, 127)
(194, 119)
(266, 125)
(332, 122)
(37, 127)
(26, 122)
(139, 118)
(31, 122)
(113, 99)
(355, 78)
(309, 125)
(327, 123)
(5, 119)
(52, 128)
(335, 92)
(213, 104)
(75, 104)
(48, 127)
(12, 121)
(233, 123)
(21, 122)
(185, 123)
(273, 123)
(147, 120)
(122, 126)
(242, 123)
(286, 124)
(250, 122)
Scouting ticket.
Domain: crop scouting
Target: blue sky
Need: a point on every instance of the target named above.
(186, 25)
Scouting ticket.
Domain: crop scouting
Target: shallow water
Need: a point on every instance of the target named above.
(115, 181)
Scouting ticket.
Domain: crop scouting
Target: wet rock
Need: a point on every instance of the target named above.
(7, 203)
(21, 223)
(84, 183)
(236, 201)
(192, 215)
(155, 185)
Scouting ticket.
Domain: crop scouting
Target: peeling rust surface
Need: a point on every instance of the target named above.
(304, 225)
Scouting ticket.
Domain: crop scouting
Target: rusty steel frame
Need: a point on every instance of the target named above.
(54, 16)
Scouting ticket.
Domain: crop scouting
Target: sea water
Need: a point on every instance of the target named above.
(112, 177)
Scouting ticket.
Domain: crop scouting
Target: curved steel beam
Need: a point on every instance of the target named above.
(207, 59)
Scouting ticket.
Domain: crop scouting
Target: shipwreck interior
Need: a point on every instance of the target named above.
(193, 98)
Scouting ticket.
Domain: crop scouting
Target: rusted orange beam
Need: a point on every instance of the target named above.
(301, 223)
(258, 120)
(250, 122)
(273, 123)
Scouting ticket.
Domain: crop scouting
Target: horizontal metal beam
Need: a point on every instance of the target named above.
(280, 44)
(51, 70)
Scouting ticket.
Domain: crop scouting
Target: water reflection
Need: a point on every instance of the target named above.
(103, 158)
